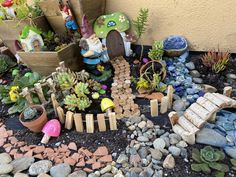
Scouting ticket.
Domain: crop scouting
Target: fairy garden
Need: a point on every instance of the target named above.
(81, 96)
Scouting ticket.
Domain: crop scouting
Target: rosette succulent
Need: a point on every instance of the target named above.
(208, 159)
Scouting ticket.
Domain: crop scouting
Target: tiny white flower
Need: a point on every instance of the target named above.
(121, 18)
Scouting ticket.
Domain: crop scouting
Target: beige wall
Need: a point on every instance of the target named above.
(205, 23)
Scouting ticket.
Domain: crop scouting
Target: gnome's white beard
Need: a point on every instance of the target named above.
(95, 46)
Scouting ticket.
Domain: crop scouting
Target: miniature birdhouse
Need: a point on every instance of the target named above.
(31, 39)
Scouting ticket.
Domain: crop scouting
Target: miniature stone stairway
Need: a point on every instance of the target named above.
(203, 110)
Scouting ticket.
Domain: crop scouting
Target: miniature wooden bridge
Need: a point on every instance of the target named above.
(203, 110)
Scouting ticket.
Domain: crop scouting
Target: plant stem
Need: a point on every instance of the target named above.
(141, 54)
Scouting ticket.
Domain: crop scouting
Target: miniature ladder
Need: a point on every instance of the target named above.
(203, 110)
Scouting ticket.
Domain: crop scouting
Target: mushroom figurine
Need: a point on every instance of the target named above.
(8, 4)
(107, 105)
(51, 128)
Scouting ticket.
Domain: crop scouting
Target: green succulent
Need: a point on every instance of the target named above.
(83, 76)
(233, 162)
(30, 113)
(5, 63)
(81, 89)
(71, 102)
(66, 79)
(157, 51)
(208, 159)
(84, 103)
(142, 83)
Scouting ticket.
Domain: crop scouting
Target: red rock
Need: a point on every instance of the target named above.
(39, 156)
(91, 161)
(88, 170)
(39, 149)
(70, 161)
(22, 149)
(18, 155)
(67, 154)
(2, 141)
(7, 145)
(2, 130)
(27, 148)
(106, 158)
(21, 143)
(49, 150)
(32, 146)
(29, 153)
(72, 146)
(8, 149)
(86, 152)
(13, 140)
(13, 151)
(101, 151)
(58, 160)
(81, 163)
(10, 132)
(96, 165)
(76, 157)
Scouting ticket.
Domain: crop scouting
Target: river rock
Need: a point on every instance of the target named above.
(22, 164)
(156, 154)
(208, 88)
(197, 80)
(190, 65)
(5, 168)
(175, 151)
(5, 158)
(215, 139)
(159, 143)
(106, 169)
(169, 162)
(182, 144)
(142, 139)
(142, 124)
(43, 175)
(79, 173)
(231, 151)
(60, 170)
(21, 175)
(42, 166)
(195, 73)
(179, 105)
(122, 158)
(143, 152)
(231, 76)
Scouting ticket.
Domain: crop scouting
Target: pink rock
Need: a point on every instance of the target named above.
(106, 158)
(101, 151)
(72, 146)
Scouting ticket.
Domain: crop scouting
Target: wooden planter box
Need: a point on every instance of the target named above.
(46, 62)
(93, 9)
(9, 32)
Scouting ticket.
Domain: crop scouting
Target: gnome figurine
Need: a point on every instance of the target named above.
(95, 55)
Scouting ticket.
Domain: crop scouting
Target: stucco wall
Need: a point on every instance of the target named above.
(206, 24)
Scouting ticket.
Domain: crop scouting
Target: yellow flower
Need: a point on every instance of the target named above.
(100, 68)
(14, 94)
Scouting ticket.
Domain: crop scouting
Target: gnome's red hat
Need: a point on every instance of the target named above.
(86, 28)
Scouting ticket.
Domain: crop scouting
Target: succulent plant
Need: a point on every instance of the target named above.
(209, 159)
(142, 83)
(83, 76)
(233, 162)
(157, 51)
(30, 113)
(216, 60)
(66, 79)
(94, 85)
(80, 99)
(5, 63)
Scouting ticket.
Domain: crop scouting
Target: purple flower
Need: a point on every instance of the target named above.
(104, 87)
(145, 60)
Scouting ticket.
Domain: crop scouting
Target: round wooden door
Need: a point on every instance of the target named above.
(115, 44)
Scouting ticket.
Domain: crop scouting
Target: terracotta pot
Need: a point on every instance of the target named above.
(162, 72)
(36, 125)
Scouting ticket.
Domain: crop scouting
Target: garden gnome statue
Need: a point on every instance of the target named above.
(94, 53)
(69, 20)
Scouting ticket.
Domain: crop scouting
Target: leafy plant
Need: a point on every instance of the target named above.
(208, 159)
(5, 63)
(80, 99)
(142, 83)
(217, 61)
(83, 76)
(140, 26)
(66, 79)
(30, 113)
(94, 85)
(157, 51)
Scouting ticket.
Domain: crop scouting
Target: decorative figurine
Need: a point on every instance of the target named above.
(70, 22)
(10, 11)
(95, 54)
(31, 39)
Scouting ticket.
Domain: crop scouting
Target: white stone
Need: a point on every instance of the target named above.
(159, 143)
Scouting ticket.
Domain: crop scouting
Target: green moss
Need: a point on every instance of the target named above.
(116, 21)
(26, 30)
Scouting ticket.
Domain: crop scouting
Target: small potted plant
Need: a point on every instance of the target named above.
(34, 118)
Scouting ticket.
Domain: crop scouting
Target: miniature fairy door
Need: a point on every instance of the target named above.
(115, 44)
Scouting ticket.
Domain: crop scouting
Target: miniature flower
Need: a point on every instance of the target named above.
(100, 68)
(122, 18)
(145, 60)
(14, 94)
(104, 87)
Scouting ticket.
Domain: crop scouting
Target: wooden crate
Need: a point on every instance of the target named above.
(46, 62)
(92, 9)
(9, 31)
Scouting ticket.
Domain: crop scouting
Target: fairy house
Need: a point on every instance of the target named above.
(111, 29)
(31, 39)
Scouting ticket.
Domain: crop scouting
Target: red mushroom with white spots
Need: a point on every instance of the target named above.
(8, 4)
(51, 129)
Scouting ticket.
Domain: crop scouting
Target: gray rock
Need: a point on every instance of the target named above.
(190, 65)
(169, 162)
(149, 171)
(175, 151)
(143, 152)
(208, 88)
(150, 124)
(42, 166)
(135, 120)
(5, 158)
(195, 73)
(133, 174)
(182, 144)
(231, 151)
(5, 176)
(92, 175)
(167, 141)
(131, 127)
(197, 80)
(173, 141)
(5, 168)
(122, 158)
(159, 143)
(156, 154)
(142, 124)
(142, 139)
(215, 139)
(60, 170)
(231, 76)
(22, 164)
(21, 175)
(179, 105)
(159, 173)
(107, 175)
(106, 169)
